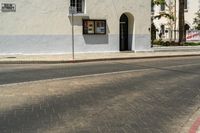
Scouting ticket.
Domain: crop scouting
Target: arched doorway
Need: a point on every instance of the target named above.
(187, 27)
(123, 33)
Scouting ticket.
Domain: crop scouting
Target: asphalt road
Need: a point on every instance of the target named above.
(130, 96)
(32, 72)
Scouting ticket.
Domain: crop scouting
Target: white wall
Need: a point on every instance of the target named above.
(44, 26)
(193, 7)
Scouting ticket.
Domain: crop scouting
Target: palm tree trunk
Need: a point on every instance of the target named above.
(182, 35)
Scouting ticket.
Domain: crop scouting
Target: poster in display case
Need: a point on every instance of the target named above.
(88, 27)
(100, 27)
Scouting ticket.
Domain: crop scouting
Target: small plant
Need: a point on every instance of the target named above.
(160, 42)
(192, 44)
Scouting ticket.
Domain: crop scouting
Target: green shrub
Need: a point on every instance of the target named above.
(173, 43)
(167, 43)
(192, 44)
(158, 42)
(163, 43)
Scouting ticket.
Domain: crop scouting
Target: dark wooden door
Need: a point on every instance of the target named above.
(123, 33)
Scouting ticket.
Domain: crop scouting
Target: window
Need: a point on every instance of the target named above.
(152, 6)
(162, 7)
(78, 4)
(94, 26)
(185, 4)
(152, 9)
(162, 29)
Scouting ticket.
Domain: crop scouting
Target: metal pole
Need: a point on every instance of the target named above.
(175, 21)
(72, 36)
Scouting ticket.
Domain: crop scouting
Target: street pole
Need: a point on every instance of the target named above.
(175, 21)
(72, 36)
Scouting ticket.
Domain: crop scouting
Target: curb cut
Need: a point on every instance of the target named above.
(96, 60)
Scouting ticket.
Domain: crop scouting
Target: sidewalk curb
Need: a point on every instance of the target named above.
(193, 122)
(95, 60)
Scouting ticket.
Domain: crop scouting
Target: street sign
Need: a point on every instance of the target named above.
(8, 7)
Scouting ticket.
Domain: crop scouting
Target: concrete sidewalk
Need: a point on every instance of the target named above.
(176, 48)
(157, 52)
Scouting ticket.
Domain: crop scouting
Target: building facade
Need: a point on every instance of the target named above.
(45, 26)
(167, 29)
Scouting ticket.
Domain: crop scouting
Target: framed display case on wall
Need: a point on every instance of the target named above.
(92, 27)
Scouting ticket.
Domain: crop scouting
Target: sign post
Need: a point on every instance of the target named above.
(72, 11)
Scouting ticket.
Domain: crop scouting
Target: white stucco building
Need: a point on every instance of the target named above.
(45, 26)
(162, 25)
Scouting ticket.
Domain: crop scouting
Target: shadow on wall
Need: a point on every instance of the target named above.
(95, 39)
(78, 20)
(130, 42)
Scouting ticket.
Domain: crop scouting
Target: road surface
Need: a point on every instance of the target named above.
(129, 96)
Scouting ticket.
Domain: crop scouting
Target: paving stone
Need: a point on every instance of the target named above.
(153, 101)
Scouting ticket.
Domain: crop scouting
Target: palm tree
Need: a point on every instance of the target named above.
(182, 35)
